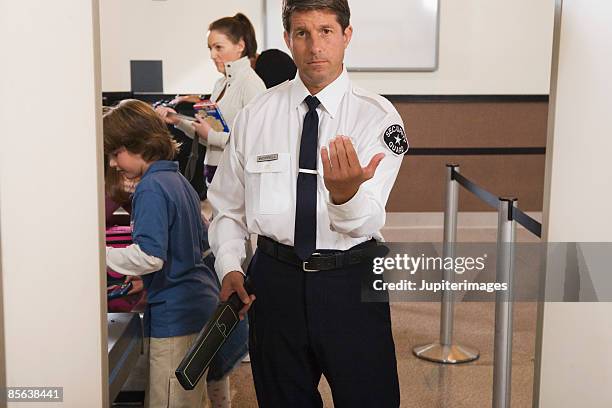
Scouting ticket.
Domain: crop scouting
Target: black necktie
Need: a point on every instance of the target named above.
(305, 238)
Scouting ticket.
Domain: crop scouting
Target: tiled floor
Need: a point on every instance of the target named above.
(429, 385)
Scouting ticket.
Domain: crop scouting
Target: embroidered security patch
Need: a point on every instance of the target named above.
(395, 139)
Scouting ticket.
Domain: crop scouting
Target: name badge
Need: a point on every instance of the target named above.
(267, 157)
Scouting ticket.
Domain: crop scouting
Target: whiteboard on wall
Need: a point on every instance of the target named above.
(388, 35)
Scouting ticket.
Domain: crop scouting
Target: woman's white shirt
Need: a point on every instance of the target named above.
(241, 84)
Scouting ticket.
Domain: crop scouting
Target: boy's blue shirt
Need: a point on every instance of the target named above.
(167, 224)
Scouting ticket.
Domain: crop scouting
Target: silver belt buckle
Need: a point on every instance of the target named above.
(305, 268)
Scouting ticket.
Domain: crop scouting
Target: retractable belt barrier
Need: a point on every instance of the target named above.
(445, 351)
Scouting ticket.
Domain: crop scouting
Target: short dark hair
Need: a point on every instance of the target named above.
(275, 67)
(134, 124)
(339, 7)
(238, 28)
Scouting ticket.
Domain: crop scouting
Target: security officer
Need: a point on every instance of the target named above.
(292, 174)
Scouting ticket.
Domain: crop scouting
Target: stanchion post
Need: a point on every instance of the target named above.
(445, 351)
(502, 360)
(448, 251)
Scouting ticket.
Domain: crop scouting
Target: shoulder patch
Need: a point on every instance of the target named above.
(395, 139)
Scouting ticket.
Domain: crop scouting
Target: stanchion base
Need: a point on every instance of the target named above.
(449, 354)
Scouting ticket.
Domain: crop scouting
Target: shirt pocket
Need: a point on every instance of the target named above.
(274, 181)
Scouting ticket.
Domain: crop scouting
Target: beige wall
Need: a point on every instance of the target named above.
(575, 363)
(50, 203)
(486, 46)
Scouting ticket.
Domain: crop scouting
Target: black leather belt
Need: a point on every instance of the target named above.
(322, 261)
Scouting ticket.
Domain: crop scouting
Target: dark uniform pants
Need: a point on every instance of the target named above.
(304, 324)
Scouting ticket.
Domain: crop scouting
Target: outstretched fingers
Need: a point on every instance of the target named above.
(370, 169)
(327, 167)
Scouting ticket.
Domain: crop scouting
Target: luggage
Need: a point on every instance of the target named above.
(120, 236)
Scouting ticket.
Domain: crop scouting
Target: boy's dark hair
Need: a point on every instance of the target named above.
(339, 7)
(238, 28)
(133, 124)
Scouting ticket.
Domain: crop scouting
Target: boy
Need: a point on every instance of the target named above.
(168, 237)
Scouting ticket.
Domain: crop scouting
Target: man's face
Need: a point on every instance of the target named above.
(317, 43)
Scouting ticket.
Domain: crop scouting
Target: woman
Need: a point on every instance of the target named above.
(232, 43)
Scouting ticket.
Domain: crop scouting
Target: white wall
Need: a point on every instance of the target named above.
(50, 202)
(575, 362)
(173, 31)
(486, 46)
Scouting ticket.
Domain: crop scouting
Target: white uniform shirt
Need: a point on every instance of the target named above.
(241, 84)
(254, 189)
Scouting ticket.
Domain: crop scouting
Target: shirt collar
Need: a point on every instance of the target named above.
(234, 68)
(161, 165)
(330, 96)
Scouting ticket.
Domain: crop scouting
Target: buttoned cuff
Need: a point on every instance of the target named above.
(218, 139)
(349, 210)
(227, 264)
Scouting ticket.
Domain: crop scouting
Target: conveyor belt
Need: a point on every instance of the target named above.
(124, 347)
